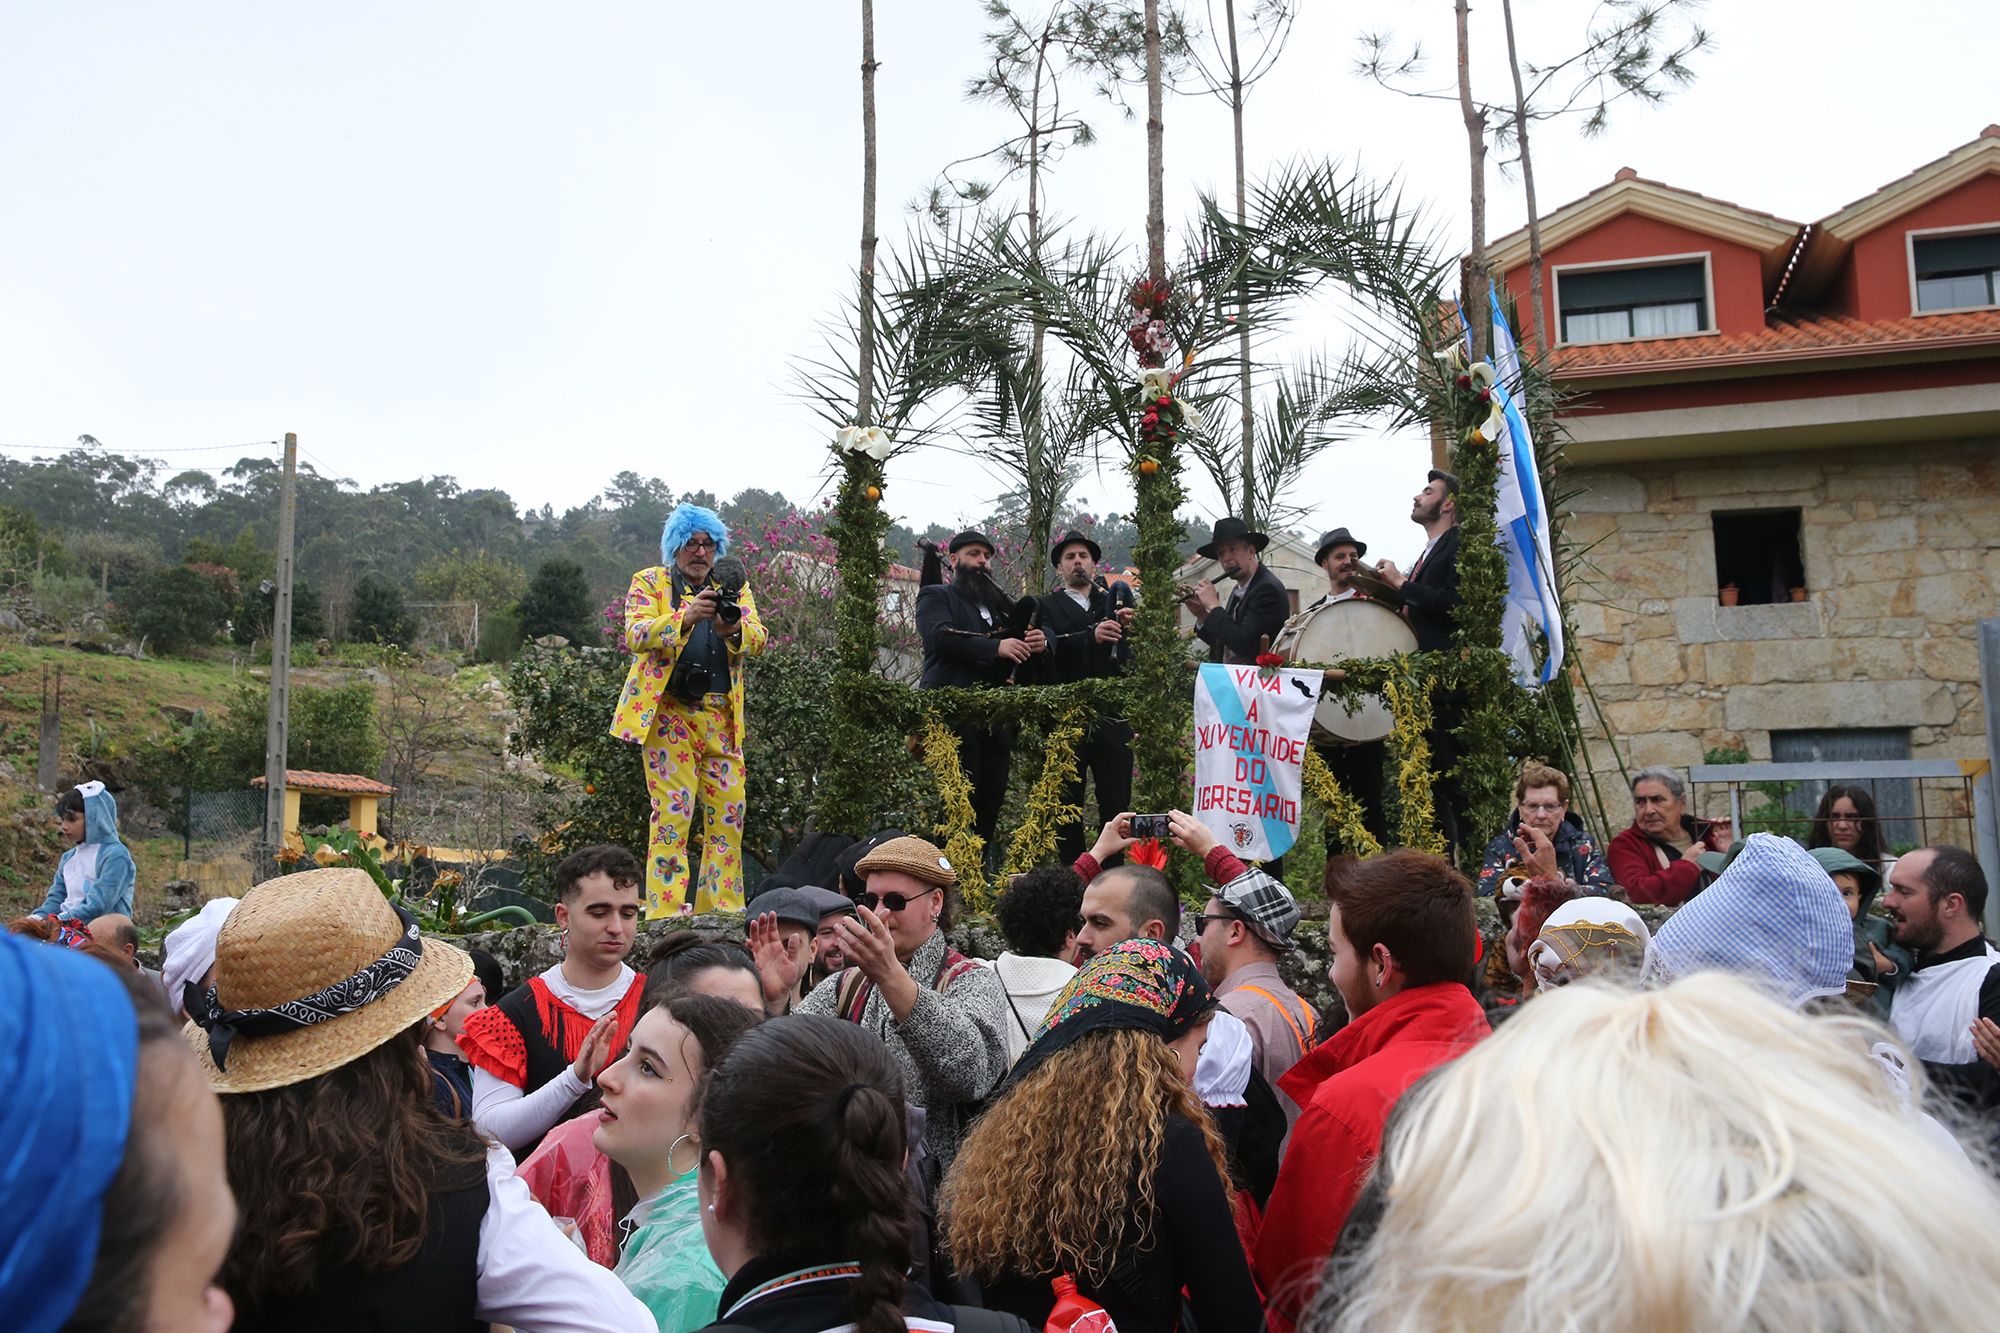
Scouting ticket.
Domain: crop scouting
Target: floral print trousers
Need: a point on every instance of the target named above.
(694, 750)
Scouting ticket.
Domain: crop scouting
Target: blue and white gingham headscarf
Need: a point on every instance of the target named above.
(1773, 916)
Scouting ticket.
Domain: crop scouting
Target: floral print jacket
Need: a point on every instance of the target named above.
(653, 637)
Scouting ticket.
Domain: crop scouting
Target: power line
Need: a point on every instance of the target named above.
(140, 453)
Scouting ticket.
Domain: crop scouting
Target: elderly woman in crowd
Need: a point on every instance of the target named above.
(1657, 859)
(941, 1014)
(114, 1207)
(1695, 1151)
(362, 1207)
(1544, 838)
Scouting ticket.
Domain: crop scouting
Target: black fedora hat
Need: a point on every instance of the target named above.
(1231, 529)
(1339, 537)
(1074, 538)
(970, 537)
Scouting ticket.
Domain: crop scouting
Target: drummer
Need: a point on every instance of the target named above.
(1358, 766)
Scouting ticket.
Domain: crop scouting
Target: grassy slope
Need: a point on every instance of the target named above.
(123, 700)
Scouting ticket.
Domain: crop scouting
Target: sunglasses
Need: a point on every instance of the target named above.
(1201, 919)
(894, 902)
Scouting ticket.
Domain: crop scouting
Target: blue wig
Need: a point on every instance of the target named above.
(685, 522)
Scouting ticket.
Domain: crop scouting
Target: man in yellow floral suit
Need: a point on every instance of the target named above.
(683, 704)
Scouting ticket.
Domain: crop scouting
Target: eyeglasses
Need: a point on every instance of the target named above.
(698, 544)
(894, 902)
(1539, 808)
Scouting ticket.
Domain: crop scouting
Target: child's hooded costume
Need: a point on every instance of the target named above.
(97, 875)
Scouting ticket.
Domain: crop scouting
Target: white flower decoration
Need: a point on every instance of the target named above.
(1481, 373)
(870, 440)
(1157, 382)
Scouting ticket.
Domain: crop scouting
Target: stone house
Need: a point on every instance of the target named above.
(1786, 443)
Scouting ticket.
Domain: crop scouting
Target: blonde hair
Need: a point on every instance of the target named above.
(1693, 1157)
(1045, 1182)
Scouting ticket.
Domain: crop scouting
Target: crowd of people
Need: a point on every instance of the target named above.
(313, 1116)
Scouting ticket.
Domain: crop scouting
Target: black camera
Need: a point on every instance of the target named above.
(729, 576)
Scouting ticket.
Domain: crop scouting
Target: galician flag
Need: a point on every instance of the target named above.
(1249, 755)
(1523, 519)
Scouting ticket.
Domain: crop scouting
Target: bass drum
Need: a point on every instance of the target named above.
(1328, 635)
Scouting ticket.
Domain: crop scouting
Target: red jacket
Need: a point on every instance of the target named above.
(1348, 1085)
(1635, 863)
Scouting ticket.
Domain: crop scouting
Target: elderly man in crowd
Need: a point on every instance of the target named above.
(115, 931)
(1544, 839)
(1657, 860)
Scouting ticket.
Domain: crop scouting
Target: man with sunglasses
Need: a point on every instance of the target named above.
(942, 1015)
(683, 704)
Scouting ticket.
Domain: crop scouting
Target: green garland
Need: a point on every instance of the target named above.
(962, 846)
(1343, 810)
(1162, 694)
(1047, 811)
(846, 793)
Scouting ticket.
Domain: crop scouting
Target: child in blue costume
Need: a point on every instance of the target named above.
(96, 875)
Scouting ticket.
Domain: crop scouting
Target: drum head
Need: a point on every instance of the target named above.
(1335, 633)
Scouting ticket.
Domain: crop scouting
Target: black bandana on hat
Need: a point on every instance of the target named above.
(343, 997)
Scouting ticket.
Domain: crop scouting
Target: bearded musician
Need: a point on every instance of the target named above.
(974, 635)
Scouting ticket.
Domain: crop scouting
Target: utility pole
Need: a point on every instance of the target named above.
(277, 724)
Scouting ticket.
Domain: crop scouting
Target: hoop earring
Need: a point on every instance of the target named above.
(674, 1147)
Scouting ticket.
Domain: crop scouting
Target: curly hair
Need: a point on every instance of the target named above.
(1096, 1115)
(684, 522)
(1038, 910)
(339, 1170)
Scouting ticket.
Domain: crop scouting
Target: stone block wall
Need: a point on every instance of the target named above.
(1902, 559)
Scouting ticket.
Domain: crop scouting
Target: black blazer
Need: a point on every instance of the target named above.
(1074, 652)
(968, 658)
(1431, 594)
(1235, 631)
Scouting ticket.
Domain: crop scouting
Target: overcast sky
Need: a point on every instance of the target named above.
(531, 245)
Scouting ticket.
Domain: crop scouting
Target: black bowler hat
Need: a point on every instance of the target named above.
(1231, 529)
(1450, 482)
(970, 537)
(1073, 538)
(1339, 537)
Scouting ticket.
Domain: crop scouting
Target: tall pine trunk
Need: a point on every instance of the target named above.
(1536, 342)
(1249, 420)
(864, 407)
(1474, 286)
(1156, 152)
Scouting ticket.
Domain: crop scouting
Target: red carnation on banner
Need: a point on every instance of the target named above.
(1147, 852)
(1270, 659)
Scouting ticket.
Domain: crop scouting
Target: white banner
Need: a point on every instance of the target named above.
(1249, 755)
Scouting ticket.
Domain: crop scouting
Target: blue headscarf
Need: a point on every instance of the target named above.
(69, 1057)
(685, 522)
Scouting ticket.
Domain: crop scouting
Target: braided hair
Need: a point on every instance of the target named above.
(807, 1090)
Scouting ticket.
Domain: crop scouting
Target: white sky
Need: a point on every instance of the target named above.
(530, 245)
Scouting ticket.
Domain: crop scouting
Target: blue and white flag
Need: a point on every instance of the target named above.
(1250, 731)
(1523, 520)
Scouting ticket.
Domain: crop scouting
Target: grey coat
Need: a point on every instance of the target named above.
(953, 1047)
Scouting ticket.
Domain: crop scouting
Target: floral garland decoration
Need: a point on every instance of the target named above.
(962, 846)
(859, 529)
(1150, 336)
(1343, 811)
(1047, 812)
(1417, 825)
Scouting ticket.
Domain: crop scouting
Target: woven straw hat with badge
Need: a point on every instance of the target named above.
(312, 971)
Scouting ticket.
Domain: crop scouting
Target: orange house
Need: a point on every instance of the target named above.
(1786, 437)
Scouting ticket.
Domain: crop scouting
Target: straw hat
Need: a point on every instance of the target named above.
(297, 935)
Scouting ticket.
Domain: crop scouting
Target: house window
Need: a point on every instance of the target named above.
(1651, 301)
(1758, 555)
(1957, 271)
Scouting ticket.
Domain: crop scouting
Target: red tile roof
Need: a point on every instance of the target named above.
(1785, 336)
(335, 784)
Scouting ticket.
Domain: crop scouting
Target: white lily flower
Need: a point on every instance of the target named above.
(1482, 374)
(844, 439)
(1157, 382)
(874, 442)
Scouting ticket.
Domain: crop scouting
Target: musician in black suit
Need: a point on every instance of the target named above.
(1357, 767)
(1430, 601)
(1085, 620)
(1258, 608)
(972, 637)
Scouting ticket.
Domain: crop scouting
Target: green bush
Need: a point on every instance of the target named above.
(378, 614)
(177, 608)
(557, 602)
(500, 638)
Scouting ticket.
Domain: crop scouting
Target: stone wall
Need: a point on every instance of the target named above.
(1902, 559)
